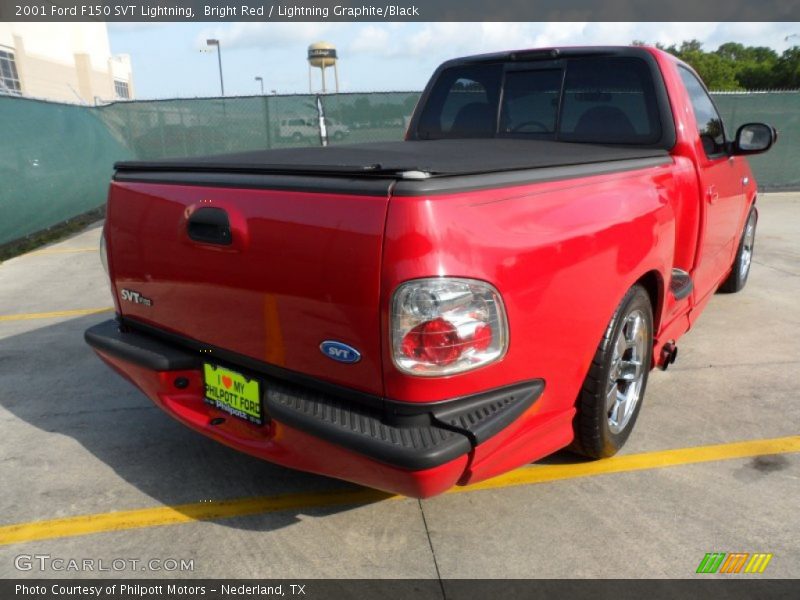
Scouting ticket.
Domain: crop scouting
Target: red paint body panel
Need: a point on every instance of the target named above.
(561, 254)
(557, 252)
(306, 267)
(279, 443)
(722, 199)
(303, 268)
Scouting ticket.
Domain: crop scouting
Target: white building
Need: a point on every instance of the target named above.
(70, 62)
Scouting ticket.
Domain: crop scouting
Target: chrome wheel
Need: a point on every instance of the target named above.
(740, 269)
(624, 386)
(613, 391)
(747, 246)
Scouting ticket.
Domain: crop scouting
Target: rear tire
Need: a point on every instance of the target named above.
(737, 278)
(612, 393)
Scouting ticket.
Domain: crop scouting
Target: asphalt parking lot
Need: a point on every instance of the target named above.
(90, 469)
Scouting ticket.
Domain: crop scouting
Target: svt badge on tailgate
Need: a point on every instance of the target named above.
(340, 352)
(135, 297)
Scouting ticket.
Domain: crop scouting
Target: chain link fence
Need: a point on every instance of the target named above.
(55, 163)
(170, 128)
(777, 169)
(56, 159)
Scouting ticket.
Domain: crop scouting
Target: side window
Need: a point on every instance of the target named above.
(9, 78)
(122, 89)
(709, 123)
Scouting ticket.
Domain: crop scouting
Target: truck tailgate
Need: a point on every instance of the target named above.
(299, 268)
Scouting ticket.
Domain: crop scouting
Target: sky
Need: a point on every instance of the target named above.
(172, 59)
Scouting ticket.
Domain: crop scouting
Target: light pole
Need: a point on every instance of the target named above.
(261, 81)
(219, 58)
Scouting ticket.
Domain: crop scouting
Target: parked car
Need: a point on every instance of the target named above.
(336, 130)
(432, 312)
(299, 129)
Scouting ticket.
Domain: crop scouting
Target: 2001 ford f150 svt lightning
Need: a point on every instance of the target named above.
(432, 312)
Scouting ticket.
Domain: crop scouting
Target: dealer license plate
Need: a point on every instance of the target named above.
(233, 393)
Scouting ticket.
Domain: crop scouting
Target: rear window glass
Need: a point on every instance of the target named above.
(609, 100)
(464, 92)
(464, 103)
(530, 101)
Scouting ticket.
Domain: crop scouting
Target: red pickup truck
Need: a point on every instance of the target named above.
(432, 312)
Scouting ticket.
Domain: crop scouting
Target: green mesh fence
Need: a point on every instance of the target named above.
(778, 168)
(56, 159)
(375, 117)
(170, 128)
(55, 163)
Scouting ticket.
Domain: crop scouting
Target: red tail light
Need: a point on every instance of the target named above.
(482, 338)
(443, 325)
(434, 341)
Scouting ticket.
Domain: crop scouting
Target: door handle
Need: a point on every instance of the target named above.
(712, 194)
(210, 225)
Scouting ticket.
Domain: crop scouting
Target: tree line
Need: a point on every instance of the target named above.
(734, 66)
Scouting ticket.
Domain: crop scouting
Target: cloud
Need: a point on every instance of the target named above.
(398, 40)
(710, 34)
(466, 38)
(756, 34)
(381, 55)
(265, 35)
(373, 39)
(666, 33)
(446, 40)
(560, 34)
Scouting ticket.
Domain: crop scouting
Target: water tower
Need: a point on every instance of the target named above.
(322, 55)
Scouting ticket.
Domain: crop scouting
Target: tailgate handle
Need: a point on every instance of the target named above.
(210, 225)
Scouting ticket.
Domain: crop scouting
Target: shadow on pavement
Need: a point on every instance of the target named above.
(54, 382)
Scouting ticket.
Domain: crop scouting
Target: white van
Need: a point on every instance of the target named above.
(298, 129)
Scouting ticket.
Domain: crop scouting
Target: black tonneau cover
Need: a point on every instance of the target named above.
(392, 159)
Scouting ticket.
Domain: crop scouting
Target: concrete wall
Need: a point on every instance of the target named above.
(69, 62)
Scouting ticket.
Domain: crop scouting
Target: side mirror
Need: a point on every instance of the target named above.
(754, 138)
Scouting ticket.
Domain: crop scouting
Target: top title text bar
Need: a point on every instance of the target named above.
(397, 10)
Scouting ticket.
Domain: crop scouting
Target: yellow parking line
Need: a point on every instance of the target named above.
(640, 462)
(54, 314)
(222, 509)
(183, 513)
(62, 251)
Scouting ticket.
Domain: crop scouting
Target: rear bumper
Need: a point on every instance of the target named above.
(414, 450)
